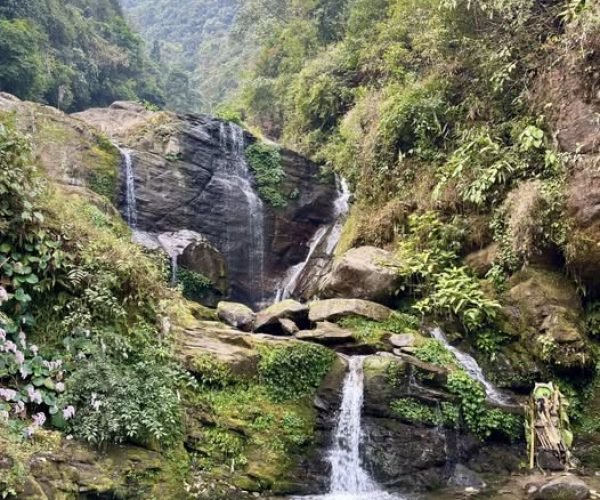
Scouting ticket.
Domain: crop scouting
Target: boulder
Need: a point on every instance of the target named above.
(549, 313)
(404, 340)
(327, 334)
(221, 344)
(237, 315)
(560, 488)
(334, 309)
(363, 273)
(288, 326)
(267, 320)
(204, 258)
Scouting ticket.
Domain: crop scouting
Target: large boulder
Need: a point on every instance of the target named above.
(268, 320)
(214, 343)
(548, 312)
(237, 315)
(559, 488)
(363, 273)
(334, 309)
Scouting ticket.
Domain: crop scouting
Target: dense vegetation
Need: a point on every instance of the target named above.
(192, 40)
(73, 54)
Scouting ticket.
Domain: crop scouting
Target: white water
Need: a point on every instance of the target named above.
(341, 209)
(237, 179)
(293, 274)
(130, 198)
(472, 368)
(330, 234)
(349, 480)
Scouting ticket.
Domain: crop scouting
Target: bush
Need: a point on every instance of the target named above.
(117, 402)
(293, 371)
(265, 163)
(195, 285)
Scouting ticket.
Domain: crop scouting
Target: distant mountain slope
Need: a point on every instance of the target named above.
(191, 39)
(72, 54)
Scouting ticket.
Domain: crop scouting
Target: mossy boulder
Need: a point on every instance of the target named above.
(237, 315)
(548, 314)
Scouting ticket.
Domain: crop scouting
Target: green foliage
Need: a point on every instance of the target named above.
(119, 402)
(294, 370)
(31, 257)
(480, 420)
(458, 294)
(212, 373)
(265, 163)
(433, 351)
(195, 285)
(73, 54)
(412, 410)
(592, 319)
(191, 41)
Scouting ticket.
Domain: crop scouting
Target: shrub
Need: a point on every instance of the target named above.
(195, 285)
(295, 370)
(432, 351)
(117, 402)
(265, 163)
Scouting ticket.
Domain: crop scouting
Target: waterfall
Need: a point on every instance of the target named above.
(130, 198)
(330, 235)
(472, 368)
(341, 208)
(294, 273)
(237, 180)
(349, 480)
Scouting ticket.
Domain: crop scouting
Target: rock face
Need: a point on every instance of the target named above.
(191, 173)
(550, 314)
(362, 273)
(334, 309)
(415, 456)
(583, 205)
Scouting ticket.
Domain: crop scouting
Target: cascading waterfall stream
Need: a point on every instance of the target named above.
(472, 368)
(130, 198)
(349, 480)
(236, 177)
(329, 236)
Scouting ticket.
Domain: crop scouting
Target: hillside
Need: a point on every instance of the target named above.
(73, 54)
(191, 39)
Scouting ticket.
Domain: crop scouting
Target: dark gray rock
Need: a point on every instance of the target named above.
(561, 488)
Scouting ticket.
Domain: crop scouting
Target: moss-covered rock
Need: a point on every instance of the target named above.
(549, 314)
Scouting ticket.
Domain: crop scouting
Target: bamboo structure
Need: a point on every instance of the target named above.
(548, 434)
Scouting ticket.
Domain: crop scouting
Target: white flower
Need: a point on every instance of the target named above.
(34, 349)
(34, 395)
(39, 419)
(68, 412)
(60, 387)
(22, 338)
(2, 334)
(19, 357)
(3, 295)
(7, 394)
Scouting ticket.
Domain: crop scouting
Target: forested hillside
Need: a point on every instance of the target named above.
(191, 39)
(72, 54)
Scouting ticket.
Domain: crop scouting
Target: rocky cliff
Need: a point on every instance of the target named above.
(191, 173)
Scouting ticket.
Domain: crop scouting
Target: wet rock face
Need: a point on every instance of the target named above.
(191, 173)
(412, 456)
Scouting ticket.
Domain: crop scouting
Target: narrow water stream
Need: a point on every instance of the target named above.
(349, 479)
(130, 198)
(472, 368)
